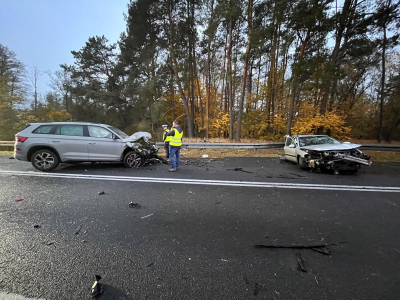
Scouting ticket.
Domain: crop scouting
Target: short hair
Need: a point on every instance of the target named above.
(176, 122)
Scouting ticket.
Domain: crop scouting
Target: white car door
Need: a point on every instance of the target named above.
(102, 145)
(70, 142)
(290, 150)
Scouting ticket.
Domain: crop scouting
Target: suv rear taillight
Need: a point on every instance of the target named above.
(21, 139)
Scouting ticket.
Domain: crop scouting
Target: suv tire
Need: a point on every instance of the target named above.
(44, 160)
(133, 160)
(302, 163)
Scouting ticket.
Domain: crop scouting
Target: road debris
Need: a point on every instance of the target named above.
(48, 203)
(78, 229)
(219, 202)
(239, 169)
(11, 157)
(300, 261)
(204, 156)
(295, 176)
(18, 200)
(294, 246)
(49, 243)
(97, 288)
(101, 193)
(224, 260)
(322, 250)
(150, 264)
(246, 281)
(147, 216)
(36, 226)
(134, 205)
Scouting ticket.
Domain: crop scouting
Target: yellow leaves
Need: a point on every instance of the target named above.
(57, 116)
(332, 123)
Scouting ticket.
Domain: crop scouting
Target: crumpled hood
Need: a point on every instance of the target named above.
(138, 135)
(331, 147)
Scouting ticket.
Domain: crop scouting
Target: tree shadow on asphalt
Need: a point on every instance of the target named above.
(113, 293)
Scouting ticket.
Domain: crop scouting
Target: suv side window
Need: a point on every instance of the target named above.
(72, 130)
(288, 141)
(99, 132)
(44, 129)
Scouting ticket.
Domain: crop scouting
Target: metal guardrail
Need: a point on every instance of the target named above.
(228, 145)
(372, 147)
(9, 145)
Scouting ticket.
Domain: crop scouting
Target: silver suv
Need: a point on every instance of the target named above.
(46, 145)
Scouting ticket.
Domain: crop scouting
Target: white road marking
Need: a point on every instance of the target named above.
(209, 182)
(11, 296)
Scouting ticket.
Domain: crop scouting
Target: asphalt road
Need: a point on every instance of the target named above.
(193, 237)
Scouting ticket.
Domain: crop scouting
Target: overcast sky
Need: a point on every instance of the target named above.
(42, 33)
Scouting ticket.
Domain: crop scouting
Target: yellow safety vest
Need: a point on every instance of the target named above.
(168, 138)
(176, 140)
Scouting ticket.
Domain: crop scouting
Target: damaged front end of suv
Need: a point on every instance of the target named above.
(337, 158)
(139, 151)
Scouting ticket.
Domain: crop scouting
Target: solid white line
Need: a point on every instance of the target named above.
(12, 296)
(207, 182)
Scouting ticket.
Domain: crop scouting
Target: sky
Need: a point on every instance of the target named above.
(42, 33)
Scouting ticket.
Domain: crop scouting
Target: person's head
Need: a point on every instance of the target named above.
(175, 123)
(165, 127)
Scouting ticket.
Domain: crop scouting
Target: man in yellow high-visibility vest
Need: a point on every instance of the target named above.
(175, 144)
(166, 140)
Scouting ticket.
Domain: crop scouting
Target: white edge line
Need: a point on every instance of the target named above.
(181, 180)
(206, 182)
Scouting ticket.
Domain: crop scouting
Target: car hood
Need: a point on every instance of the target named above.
(331, 147)
(137, 136)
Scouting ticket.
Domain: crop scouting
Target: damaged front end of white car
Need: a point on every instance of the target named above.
(335, 157)
(139, 150)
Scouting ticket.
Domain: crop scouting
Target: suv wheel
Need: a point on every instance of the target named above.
(44, 160)
(133, 160)
(302, 163)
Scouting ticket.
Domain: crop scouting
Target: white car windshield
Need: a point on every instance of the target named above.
(316, 140)
(119, 132)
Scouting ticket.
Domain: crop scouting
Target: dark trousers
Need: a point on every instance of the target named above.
(166, 147)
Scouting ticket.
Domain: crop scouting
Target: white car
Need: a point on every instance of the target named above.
(321, 152)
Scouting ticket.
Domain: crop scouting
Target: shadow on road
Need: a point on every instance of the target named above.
(113, 293)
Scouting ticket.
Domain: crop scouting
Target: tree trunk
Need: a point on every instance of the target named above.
(246, 62)
(295, 83)
(382, 92)
(174, 70)
(223, 76)
(199, 93)
(331, 67)
(229, 71)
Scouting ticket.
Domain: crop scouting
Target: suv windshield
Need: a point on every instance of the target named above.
(119, 132)
(316, 140)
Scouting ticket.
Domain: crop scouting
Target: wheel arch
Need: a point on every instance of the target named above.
(35, 148)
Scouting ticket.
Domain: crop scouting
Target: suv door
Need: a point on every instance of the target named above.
(70, 142)
(102, 145)
(290, 150)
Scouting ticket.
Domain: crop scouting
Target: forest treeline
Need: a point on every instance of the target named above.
(226, 68)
